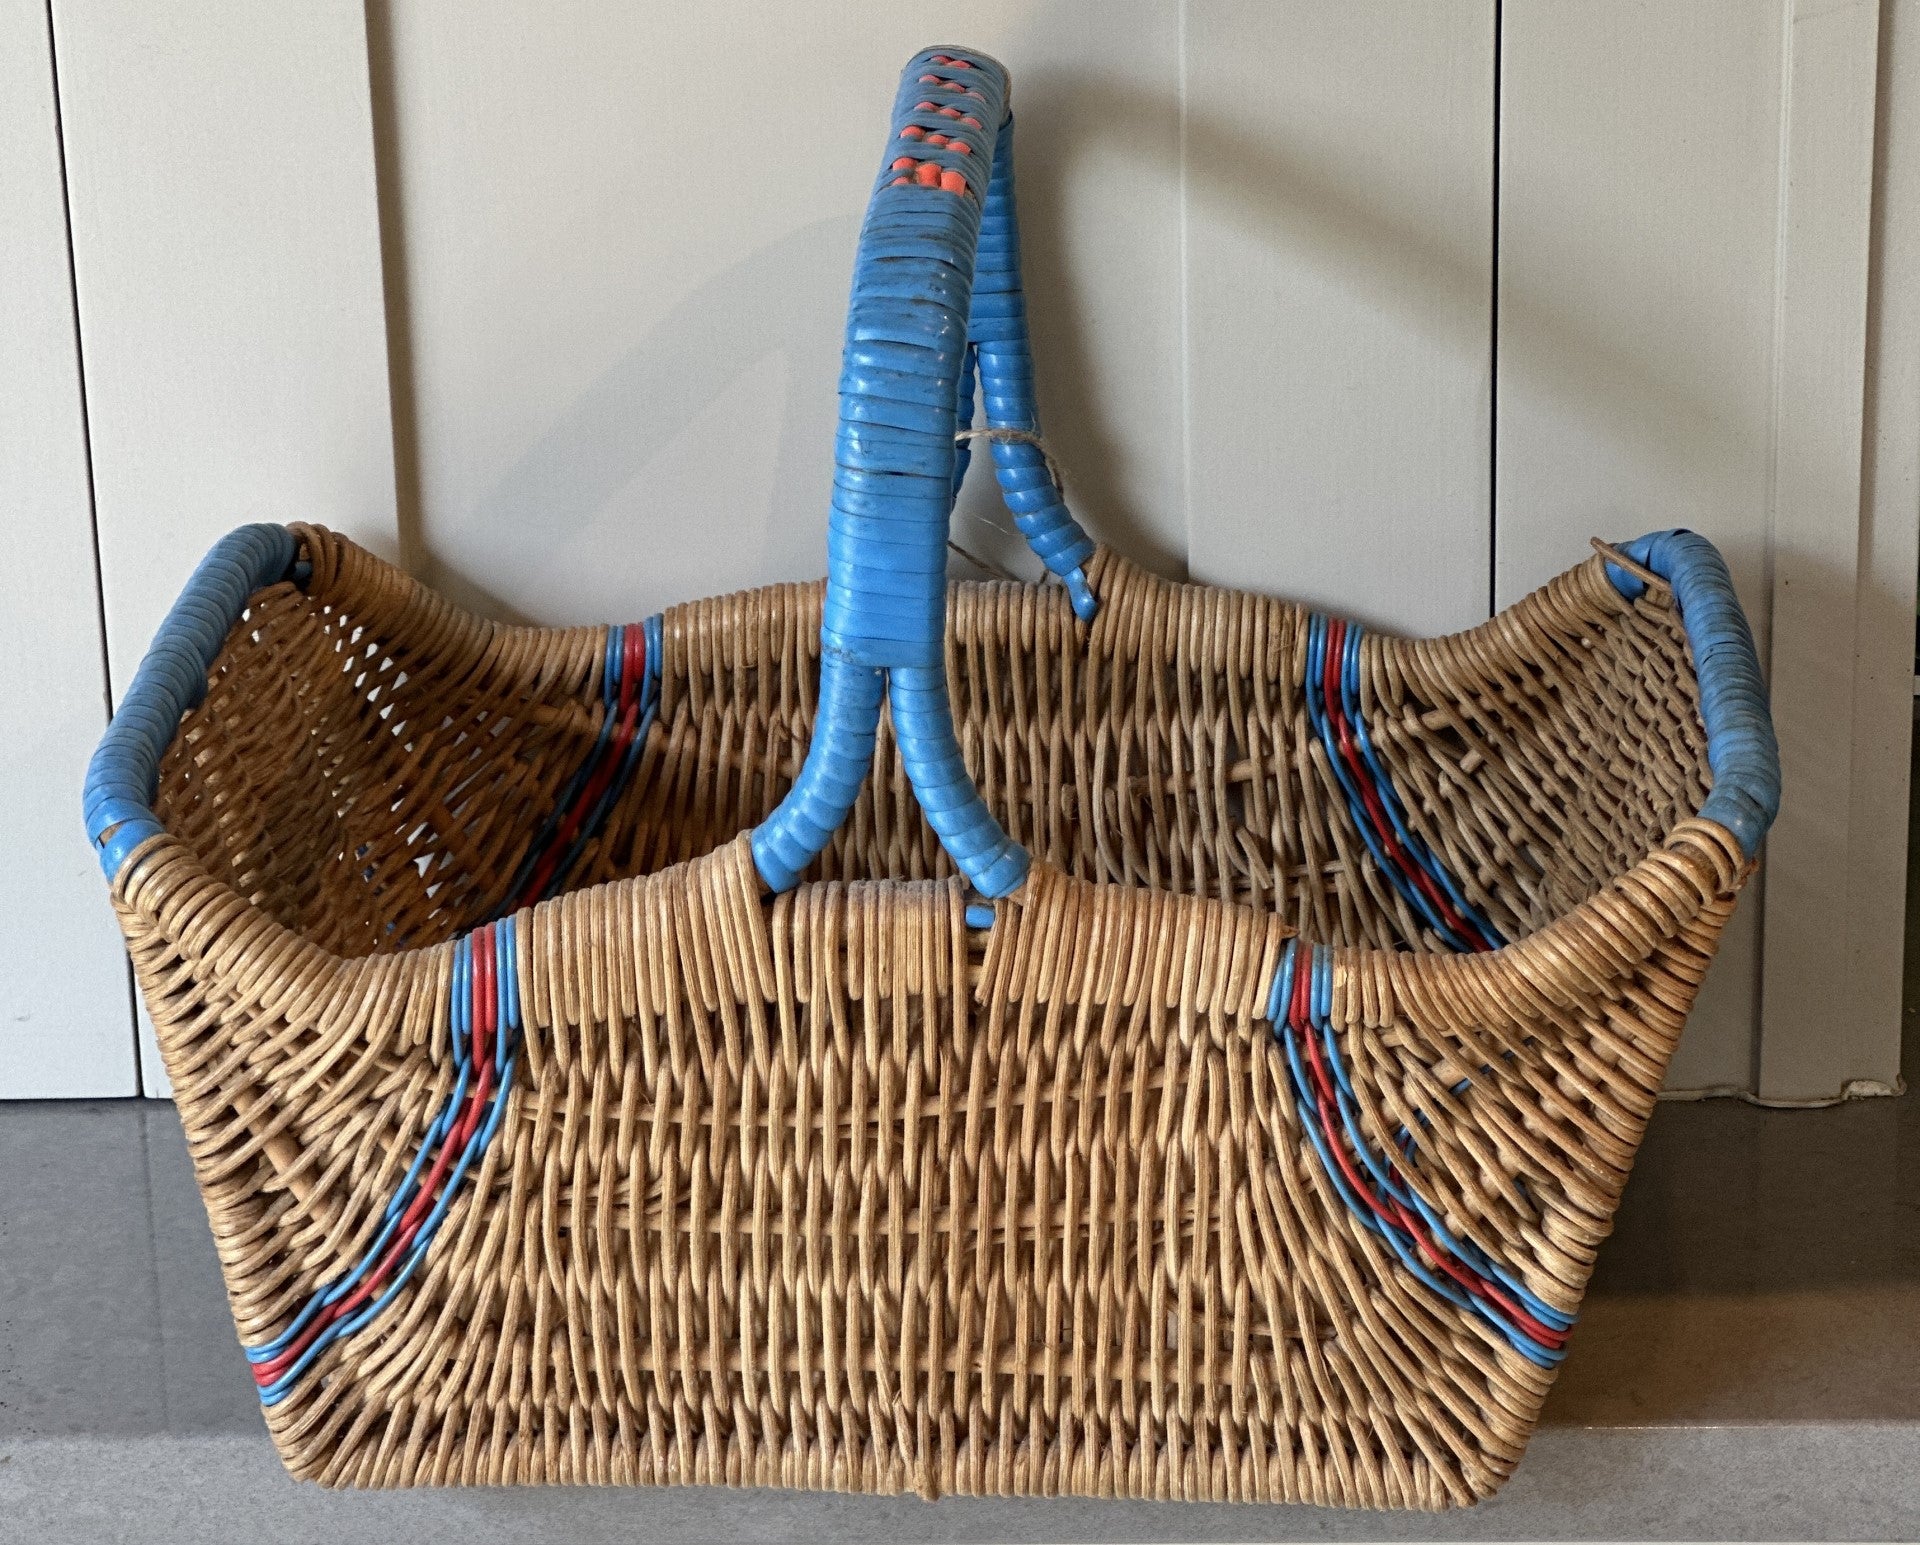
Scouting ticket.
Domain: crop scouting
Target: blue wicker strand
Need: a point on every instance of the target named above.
(505, 1059)
(1389, 796)
(1381, 1168)
(1356, 804)
(1386, 794)
(603, 807)
(997, 330)
(844, 729)
(1321, 1125)
(570, 790)
(612, 683)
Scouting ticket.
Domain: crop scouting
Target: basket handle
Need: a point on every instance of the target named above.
(936, 294)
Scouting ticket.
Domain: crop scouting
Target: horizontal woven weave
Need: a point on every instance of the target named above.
(832, 1190)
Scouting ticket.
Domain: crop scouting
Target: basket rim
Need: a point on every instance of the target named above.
(1706, 851)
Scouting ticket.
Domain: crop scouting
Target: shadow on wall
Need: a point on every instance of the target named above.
(789, 298)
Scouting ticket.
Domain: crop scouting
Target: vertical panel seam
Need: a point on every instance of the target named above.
(1887, 463)
(1783, 183)
(1493, 326)
(86, 457)
(1769, 1046)
(389, 201)
(1186, 298)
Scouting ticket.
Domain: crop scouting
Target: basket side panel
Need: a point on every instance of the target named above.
(304, 1082)
(819, 1194)
(1527, 1077)
(830, 1193)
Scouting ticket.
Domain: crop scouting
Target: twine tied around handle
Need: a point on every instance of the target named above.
(1009, 437)
(1020, 437)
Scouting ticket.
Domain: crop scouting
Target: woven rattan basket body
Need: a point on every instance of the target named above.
(1253, 1140)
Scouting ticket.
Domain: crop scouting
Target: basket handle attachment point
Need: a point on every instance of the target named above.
(1621, 561)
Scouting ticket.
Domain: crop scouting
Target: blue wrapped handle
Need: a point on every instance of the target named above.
(124, 774)
(936, 299)
(1741, 748)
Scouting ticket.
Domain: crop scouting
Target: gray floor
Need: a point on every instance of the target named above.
(1745, 1368)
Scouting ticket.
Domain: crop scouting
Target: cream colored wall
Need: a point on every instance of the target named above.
(627, 239)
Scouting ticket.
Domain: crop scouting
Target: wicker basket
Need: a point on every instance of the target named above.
(1251, 1139)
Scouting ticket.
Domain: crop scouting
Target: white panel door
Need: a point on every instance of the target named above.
(226, 251)
(627, 236)
(1814, 1040)
(66, 1011)
(1339, 172)
(1877, 835)
(1636, 328)
(1683, 236)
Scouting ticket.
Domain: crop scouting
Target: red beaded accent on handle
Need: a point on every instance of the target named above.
(931, 174)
